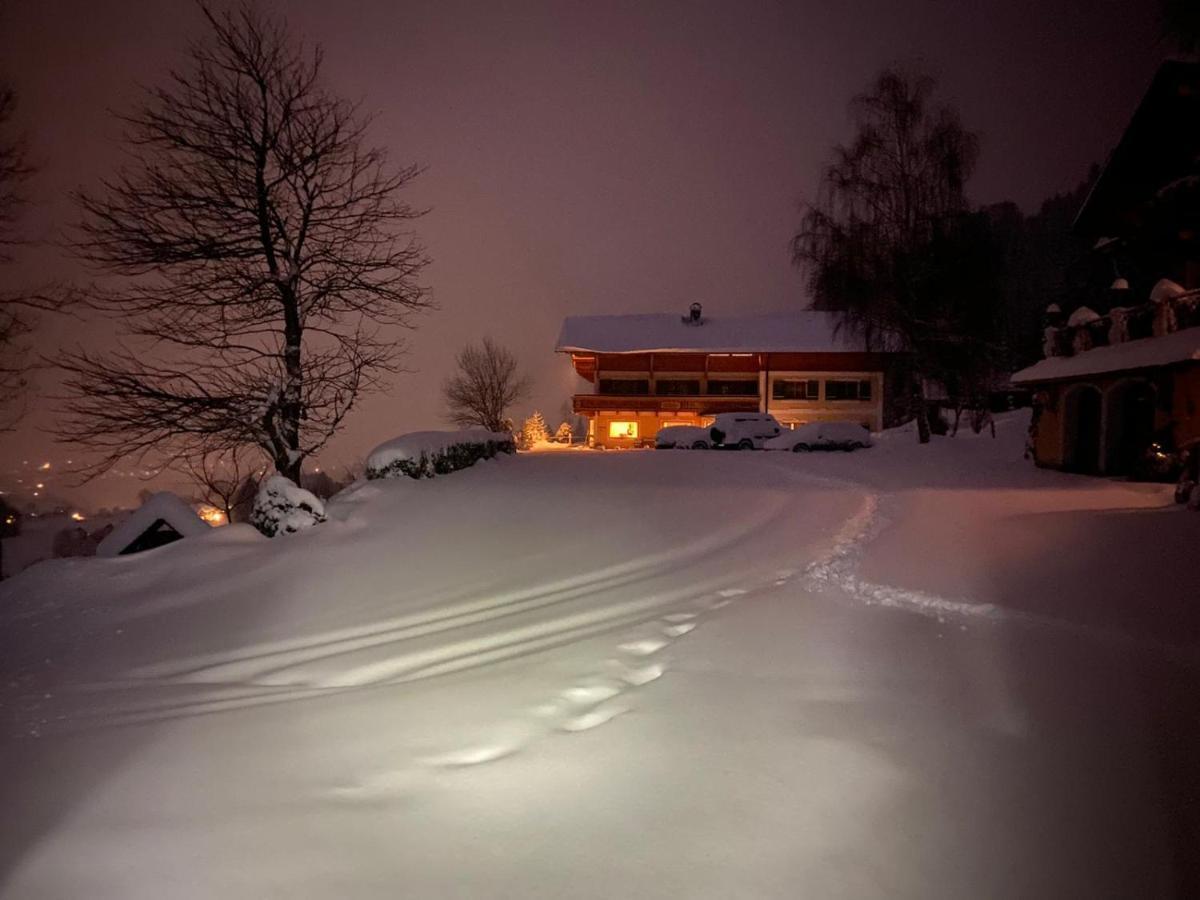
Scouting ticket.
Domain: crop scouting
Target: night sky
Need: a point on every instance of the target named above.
(591, 157)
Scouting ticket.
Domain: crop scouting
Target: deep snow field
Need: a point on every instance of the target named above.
(903, 672)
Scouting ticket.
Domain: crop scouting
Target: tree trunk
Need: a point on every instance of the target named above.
(922, 411)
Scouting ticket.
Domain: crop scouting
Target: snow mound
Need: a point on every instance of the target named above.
(1085, 315)
(1166, 289)
(283, 508)
(837, 435)
(423, 454)
(161, 507)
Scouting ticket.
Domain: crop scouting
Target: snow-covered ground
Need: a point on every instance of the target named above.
(903, 672)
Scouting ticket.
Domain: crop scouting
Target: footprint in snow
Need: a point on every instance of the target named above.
(644, 647)
(679, 629)
(637, 676)
(606, 712)
(476, 755)
(587, 694)
(679, 617)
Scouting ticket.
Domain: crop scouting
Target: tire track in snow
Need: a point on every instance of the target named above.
(282, 671)
(282, 662)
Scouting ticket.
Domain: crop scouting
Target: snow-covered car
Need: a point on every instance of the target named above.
(822, 436)
(690, 437)
(745, 431)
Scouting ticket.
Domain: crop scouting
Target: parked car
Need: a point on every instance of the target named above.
(683, 437)
(822, 436)
(745, 431)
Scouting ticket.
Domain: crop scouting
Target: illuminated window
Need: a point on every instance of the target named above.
(622, 429)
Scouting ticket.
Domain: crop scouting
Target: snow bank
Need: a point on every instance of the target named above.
(423, 454)
(283, 508)
(163, 506)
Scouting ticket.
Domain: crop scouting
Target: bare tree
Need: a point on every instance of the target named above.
(876, 242)
(259, 249)
(227, 480)
(15, 306)
(486, 384)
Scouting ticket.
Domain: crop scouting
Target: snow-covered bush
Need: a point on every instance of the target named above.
(424, 454)
(563, 434)
(283, 508)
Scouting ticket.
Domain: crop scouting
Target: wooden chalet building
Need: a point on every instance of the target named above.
(650, 371)
(1125, 375)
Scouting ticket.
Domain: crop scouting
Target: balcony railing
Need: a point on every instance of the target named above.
(696, 403)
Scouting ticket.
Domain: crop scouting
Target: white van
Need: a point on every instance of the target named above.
(745, 431)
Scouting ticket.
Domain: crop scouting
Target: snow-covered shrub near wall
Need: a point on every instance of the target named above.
(423, 454)
(283, 508)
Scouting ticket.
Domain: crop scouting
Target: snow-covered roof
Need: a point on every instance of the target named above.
(802, 331)
(1145, 353)
(164, 505)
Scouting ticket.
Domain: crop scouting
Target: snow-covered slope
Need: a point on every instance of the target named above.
(640, 674)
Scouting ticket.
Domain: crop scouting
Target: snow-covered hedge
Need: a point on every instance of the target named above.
(283, 508)
(423, 454)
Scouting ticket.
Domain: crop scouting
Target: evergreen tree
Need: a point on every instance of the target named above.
(534, 430)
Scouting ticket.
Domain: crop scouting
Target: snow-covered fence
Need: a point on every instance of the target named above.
(423, 454)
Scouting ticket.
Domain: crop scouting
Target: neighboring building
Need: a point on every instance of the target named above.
(650, 371)
(1112, 384)
(1098, 410)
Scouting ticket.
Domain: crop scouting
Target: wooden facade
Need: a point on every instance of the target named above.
(637, 393)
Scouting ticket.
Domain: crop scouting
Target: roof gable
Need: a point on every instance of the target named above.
(803, 331)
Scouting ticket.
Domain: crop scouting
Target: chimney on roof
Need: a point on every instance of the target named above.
(693, 317)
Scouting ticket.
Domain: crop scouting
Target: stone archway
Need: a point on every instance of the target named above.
(1128, 424)
(1082, 408)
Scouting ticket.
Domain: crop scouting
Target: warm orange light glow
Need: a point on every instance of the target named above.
(622, 429)
(78, 516)
(45, 467)
(211, 515)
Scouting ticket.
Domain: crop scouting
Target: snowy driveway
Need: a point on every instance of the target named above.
(605, 675)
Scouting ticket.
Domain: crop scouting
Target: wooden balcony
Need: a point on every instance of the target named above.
(700, 404)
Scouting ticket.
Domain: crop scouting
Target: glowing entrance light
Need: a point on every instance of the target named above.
(623, 429)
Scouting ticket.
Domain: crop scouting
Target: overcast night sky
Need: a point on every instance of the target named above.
(591, 157)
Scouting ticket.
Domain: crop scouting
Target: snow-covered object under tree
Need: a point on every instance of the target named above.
(1166, 289)
(162, 519)
(423, 454)
(283, 508)
(1085, 315)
